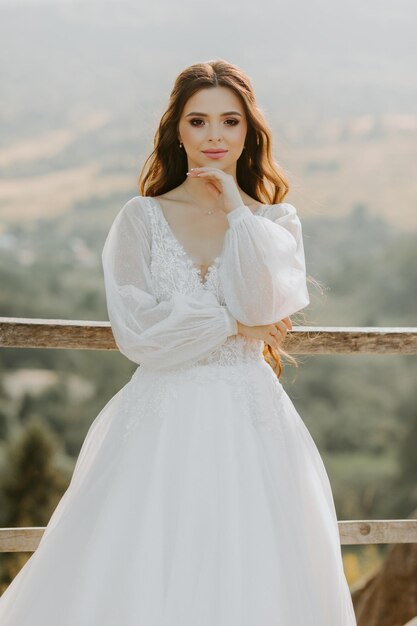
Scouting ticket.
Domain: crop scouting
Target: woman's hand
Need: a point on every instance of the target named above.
(272, 334)
(222, 186)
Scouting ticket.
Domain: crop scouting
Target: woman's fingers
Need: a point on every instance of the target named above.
(278, 332)
(222, 185)
(274, 336)
(282, 328)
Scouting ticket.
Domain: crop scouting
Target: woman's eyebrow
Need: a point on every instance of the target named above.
(205, 114)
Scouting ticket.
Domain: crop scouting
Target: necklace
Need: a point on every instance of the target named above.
(207, 211)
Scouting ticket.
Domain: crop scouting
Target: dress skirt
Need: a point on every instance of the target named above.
(199, 498)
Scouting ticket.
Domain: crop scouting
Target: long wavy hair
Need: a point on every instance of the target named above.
(257, 173)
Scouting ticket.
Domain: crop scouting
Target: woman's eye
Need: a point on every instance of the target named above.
(200, 120)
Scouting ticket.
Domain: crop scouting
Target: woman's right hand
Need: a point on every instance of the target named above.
(272, 334)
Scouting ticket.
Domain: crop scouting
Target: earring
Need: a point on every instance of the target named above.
(180, 144)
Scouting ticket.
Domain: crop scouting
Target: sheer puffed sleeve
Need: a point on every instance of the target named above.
(263, 269)
(161, 335)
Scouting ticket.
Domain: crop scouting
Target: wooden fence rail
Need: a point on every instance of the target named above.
(21, 332)
(352, 532)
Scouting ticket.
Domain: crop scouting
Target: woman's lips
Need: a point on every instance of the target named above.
(215, 155)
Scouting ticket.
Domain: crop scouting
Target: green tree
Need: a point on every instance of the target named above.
(30, 489)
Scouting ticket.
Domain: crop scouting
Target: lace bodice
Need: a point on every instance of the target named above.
(173, 270)
(165, 315)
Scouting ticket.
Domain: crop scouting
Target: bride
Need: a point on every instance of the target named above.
(199, 497)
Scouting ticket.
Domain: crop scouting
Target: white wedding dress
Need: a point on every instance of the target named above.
(199, 497)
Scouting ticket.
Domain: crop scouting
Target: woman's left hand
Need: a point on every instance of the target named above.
(222, 186)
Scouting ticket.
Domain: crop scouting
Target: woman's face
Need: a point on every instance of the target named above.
(203, 126)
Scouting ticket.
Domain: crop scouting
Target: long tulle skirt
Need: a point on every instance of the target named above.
(199, 498)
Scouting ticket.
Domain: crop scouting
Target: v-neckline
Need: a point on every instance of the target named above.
(191, 263)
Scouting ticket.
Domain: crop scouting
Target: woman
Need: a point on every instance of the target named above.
(199, 497)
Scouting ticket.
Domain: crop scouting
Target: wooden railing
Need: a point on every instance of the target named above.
(86, 335)
(17, 332)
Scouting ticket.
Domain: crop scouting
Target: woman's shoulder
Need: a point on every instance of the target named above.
(134, 215)
(135, 204)
(268, 210)
(280, 210)
(136, 208)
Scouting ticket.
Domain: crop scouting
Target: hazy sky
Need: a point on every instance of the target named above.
(306, 58)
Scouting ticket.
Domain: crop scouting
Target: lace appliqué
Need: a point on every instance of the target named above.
(151, 395)
(275, 421)
(172, 270)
